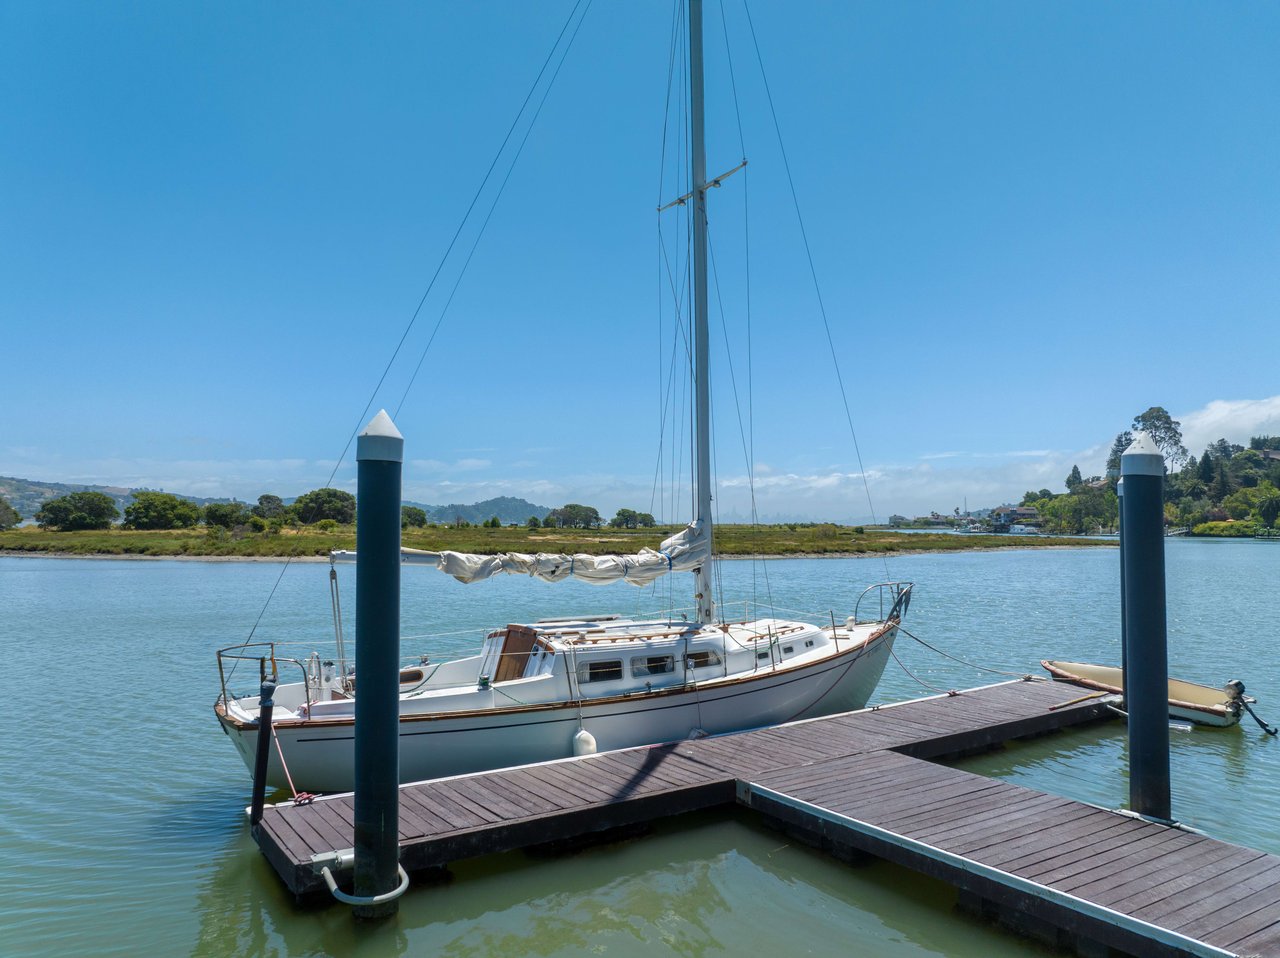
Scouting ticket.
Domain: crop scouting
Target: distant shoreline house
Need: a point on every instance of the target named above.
(1004, 518)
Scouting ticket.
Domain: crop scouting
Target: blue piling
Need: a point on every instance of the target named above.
(266, 704)
(1145, 628)
(1124, 639)
(379, 454)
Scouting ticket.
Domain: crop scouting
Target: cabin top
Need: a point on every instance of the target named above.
(584, 632)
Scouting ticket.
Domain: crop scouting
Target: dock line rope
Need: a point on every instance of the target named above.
(299, 798)
(932, 688)
(973, 665)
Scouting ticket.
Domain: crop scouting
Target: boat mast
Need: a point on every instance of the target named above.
(706, 608)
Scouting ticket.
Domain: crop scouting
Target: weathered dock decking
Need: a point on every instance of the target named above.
(861, 783)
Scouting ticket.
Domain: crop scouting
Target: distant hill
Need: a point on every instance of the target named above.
(28, 495)
(508, 509)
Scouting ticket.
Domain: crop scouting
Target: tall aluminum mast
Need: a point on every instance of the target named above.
(706, 608)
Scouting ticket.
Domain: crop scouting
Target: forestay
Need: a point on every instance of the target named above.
(683, 552)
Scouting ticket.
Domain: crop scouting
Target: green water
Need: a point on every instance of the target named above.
(121, 827)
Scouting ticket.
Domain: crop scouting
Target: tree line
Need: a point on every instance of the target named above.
(570, 516)
(325, 507)
(1228, 490)
(163, 510)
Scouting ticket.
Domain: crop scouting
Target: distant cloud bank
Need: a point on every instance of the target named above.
(1232, 419)
(935, 481)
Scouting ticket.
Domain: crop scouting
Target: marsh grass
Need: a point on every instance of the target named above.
(795, 539)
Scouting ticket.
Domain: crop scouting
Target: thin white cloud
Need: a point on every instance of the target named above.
(1009, 454)
(937, 481)
(437, 465)
(1236, 420)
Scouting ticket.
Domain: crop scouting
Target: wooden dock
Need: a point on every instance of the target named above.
(862, 784)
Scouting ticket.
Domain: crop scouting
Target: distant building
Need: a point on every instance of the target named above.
(898, 520)
(1004, 518)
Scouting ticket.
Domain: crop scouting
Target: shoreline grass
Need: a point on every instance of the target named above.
(790, 540)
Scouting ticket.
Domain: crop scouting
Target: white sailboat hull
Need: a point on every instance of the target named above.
(319, 753)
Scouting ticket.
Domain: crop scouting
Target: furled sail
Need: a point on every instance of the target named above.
(683, 552)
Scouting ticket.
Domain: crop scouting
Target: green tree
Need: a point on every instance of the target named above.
(78, 510)
(1165, 432)
(1193, 512)
(269, 507)
(1074, 479)
(1224, 450)
(412, 517)
(625, 519)
(575, 516)
(1221, 486)
(493, 522)
(9, 516)
(326, 503)
(227, 515)
(533, 523)
(1247, 467)
(1122, 442)
(1238, 505)
(550, 521)
(645, 521)
(1268, 507)
(160, 510)
(1204, 471)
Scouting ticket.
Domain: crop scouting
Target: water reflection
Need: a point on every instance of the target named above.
(124, 824)
(709, 883)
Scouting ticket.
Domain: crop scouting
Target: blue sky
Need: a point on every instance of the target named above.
(1030, 222)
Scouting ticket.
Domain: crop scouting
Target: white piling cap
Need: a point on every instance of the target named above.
(380, 440)
(1142, 458)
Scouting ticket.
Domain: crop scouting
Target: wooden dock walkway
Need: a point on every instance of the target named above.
(862, 783)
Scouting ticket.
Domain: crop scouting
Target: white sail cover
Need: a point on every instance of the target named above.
(683, 552)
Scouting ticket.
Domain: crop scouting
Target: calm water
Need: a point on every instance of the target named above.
(120, 817)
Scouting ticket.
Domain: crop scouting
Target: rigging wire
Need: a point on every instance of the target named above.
(813, 272)
(494, 205)
(679, 291)
(431, 284)
(737, 404)
(657, 507)
(746, 257)
(458, 232)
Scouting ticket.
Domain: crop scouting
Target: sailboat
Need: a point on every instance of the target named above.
(545, 690)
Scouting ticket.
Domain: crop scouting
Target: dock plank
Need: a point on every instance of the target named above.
(863, 777)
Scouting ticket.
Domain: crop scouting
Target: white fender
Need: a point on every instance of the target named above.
(584, 743)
